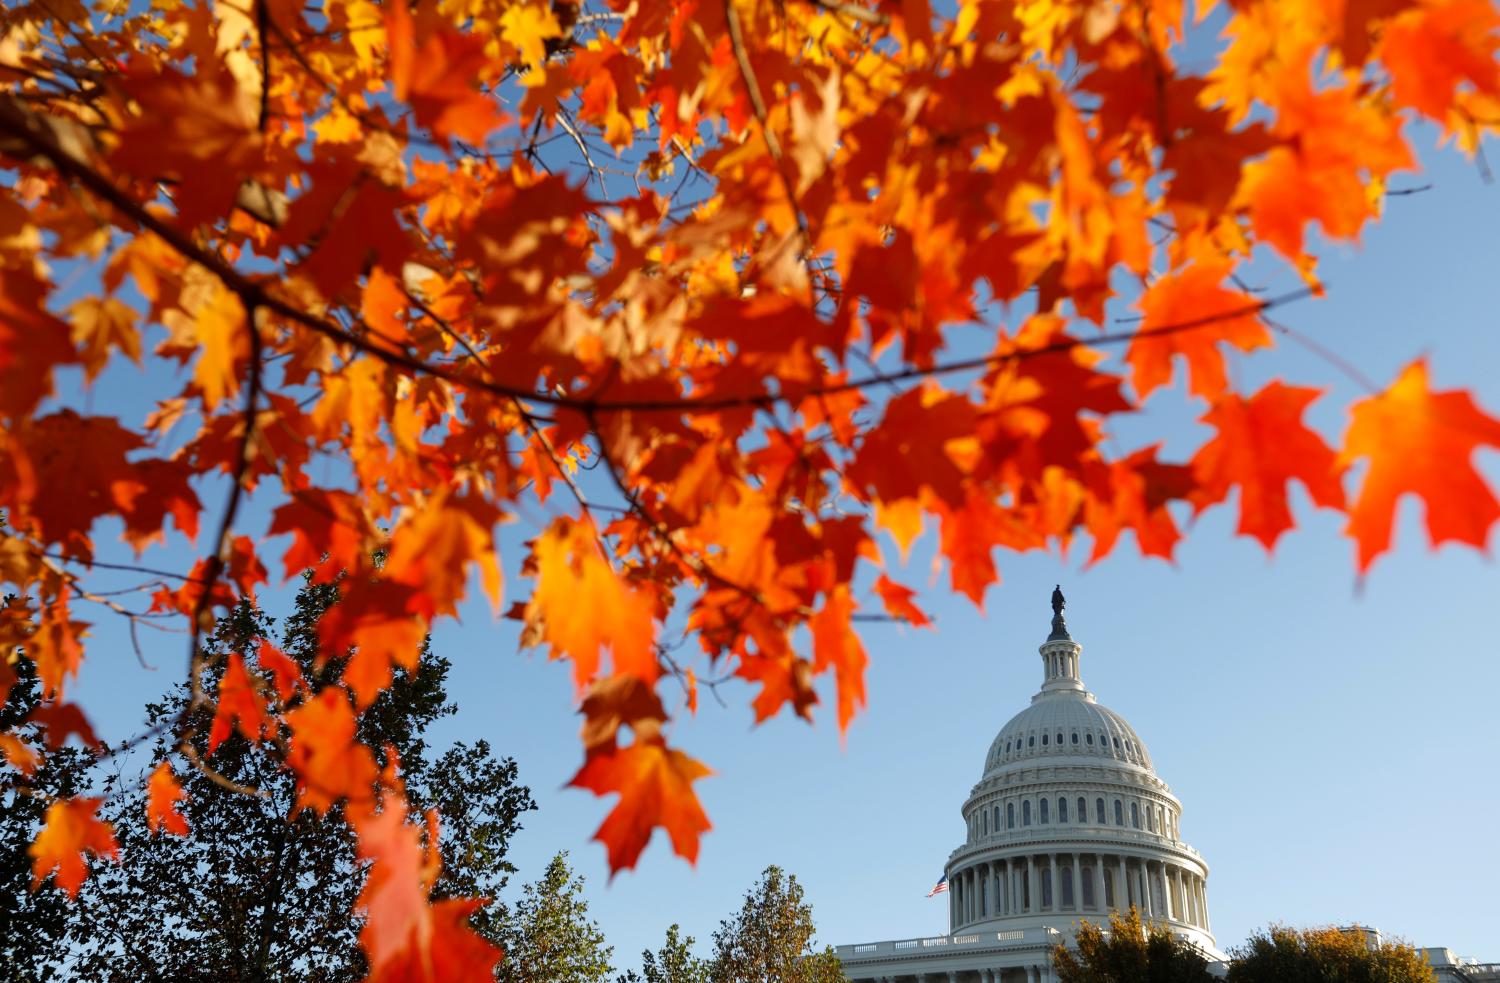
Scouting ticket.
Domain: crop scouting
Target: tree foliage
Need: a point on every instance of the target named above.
(771, 938)
(214, 884)
(549, 937)
(675, 961)
(1325, 955)
(1129, 952)
(691, 286)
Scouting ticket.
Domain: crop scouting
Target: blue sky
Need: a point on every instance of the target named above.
(1334, 743)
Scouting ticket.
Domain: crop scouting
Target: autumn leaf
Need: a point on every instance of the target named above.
(60, 721)
(102, 326)
(836, 646)
(1208, 314)
(581, 607)
(898, 602)
(1434, 48)
(18, 754)
(239, 706)
(1260, 446)
(1422, 443)
(162, 795)
(330, 762)
(655, 785)
(70, 829)
(436, 77)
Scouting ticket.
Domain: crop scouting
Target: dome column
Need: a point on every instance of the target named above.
(1077, 885)
(1033, 889)
(1098, 877)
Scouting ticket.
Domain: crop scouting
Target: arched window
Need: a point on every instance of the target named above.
(1117, 744)
(1046, 887)
(1026, 813)
(1042, 806)
(1090, 739)
(1044, 740)
(986, 824)
(997, 819)
(1083, 809)
(1075, 737)
(1031, 741)
(1059, 738)
(1119, 813)
(1099, 811)
(1135, 815)
(1062, 810)
(1151, 819)
(1010, 815)
(1007, 747)
(1065, 886)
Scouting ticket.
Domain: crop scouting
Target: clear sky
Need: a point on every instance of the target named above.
(1334, 744)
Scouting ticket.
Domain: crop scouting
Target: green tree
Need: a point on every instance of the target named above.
(1325, 955)
(549, 937)
(1129, 953)
(674, 962)
(258, 891)
(771, 938)
(32, 923)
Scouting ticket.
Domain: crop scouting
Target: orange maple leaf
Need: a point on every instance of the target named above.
(1209, 314)
(583, 607)
(436, 77)
(70, 829)
(836, 645)
(897, 600)
(1261, 445)
(1433, 49)
(1420, 442)
(162, 795)
(239, 706)
(655, 785)
(329, 760)
(379, 624)
(21, 757)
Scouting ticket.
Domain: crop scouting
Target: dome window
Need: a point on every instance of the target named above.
(1135, 816)
(1117, 744)
(1062, 810)
(1090, 739)
(1119, 813)
(1042, 812)
(1007, 747)
(1099, 811)
(1044, 740)
(1031, 741)
(1059, 738)
(1075, 737)
(1026, 813)
(1010, 815)
(1083, 809)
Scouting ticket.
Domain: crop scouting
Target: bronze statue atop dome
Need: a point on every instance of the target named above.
(1058, 601)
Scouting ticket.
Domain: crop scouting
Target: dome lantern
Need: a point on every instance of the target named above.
(1061, 671)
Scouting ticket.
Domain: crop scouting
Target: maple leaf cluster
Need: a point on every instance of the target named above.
(685, 280)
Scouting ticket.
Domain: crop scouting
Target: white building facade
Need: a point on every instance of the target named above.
(1068, 822)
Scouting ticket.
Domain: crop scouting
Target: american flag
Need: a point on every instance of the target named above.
(940, 886)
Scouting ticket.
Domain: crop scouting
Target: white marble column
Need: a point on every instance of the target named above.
(1207, 925)
(1099, 904)
(1033, 889)
(1122, 889)
(1077, 885)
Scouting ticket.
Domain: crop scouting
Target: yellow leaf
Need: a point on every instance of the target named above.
(528, 26)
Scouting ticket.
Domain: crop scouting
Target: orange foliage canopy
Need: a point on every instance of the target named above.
(681, 280)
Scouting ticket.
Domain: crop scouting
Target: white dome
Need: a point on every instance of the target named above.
(1065, 725)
